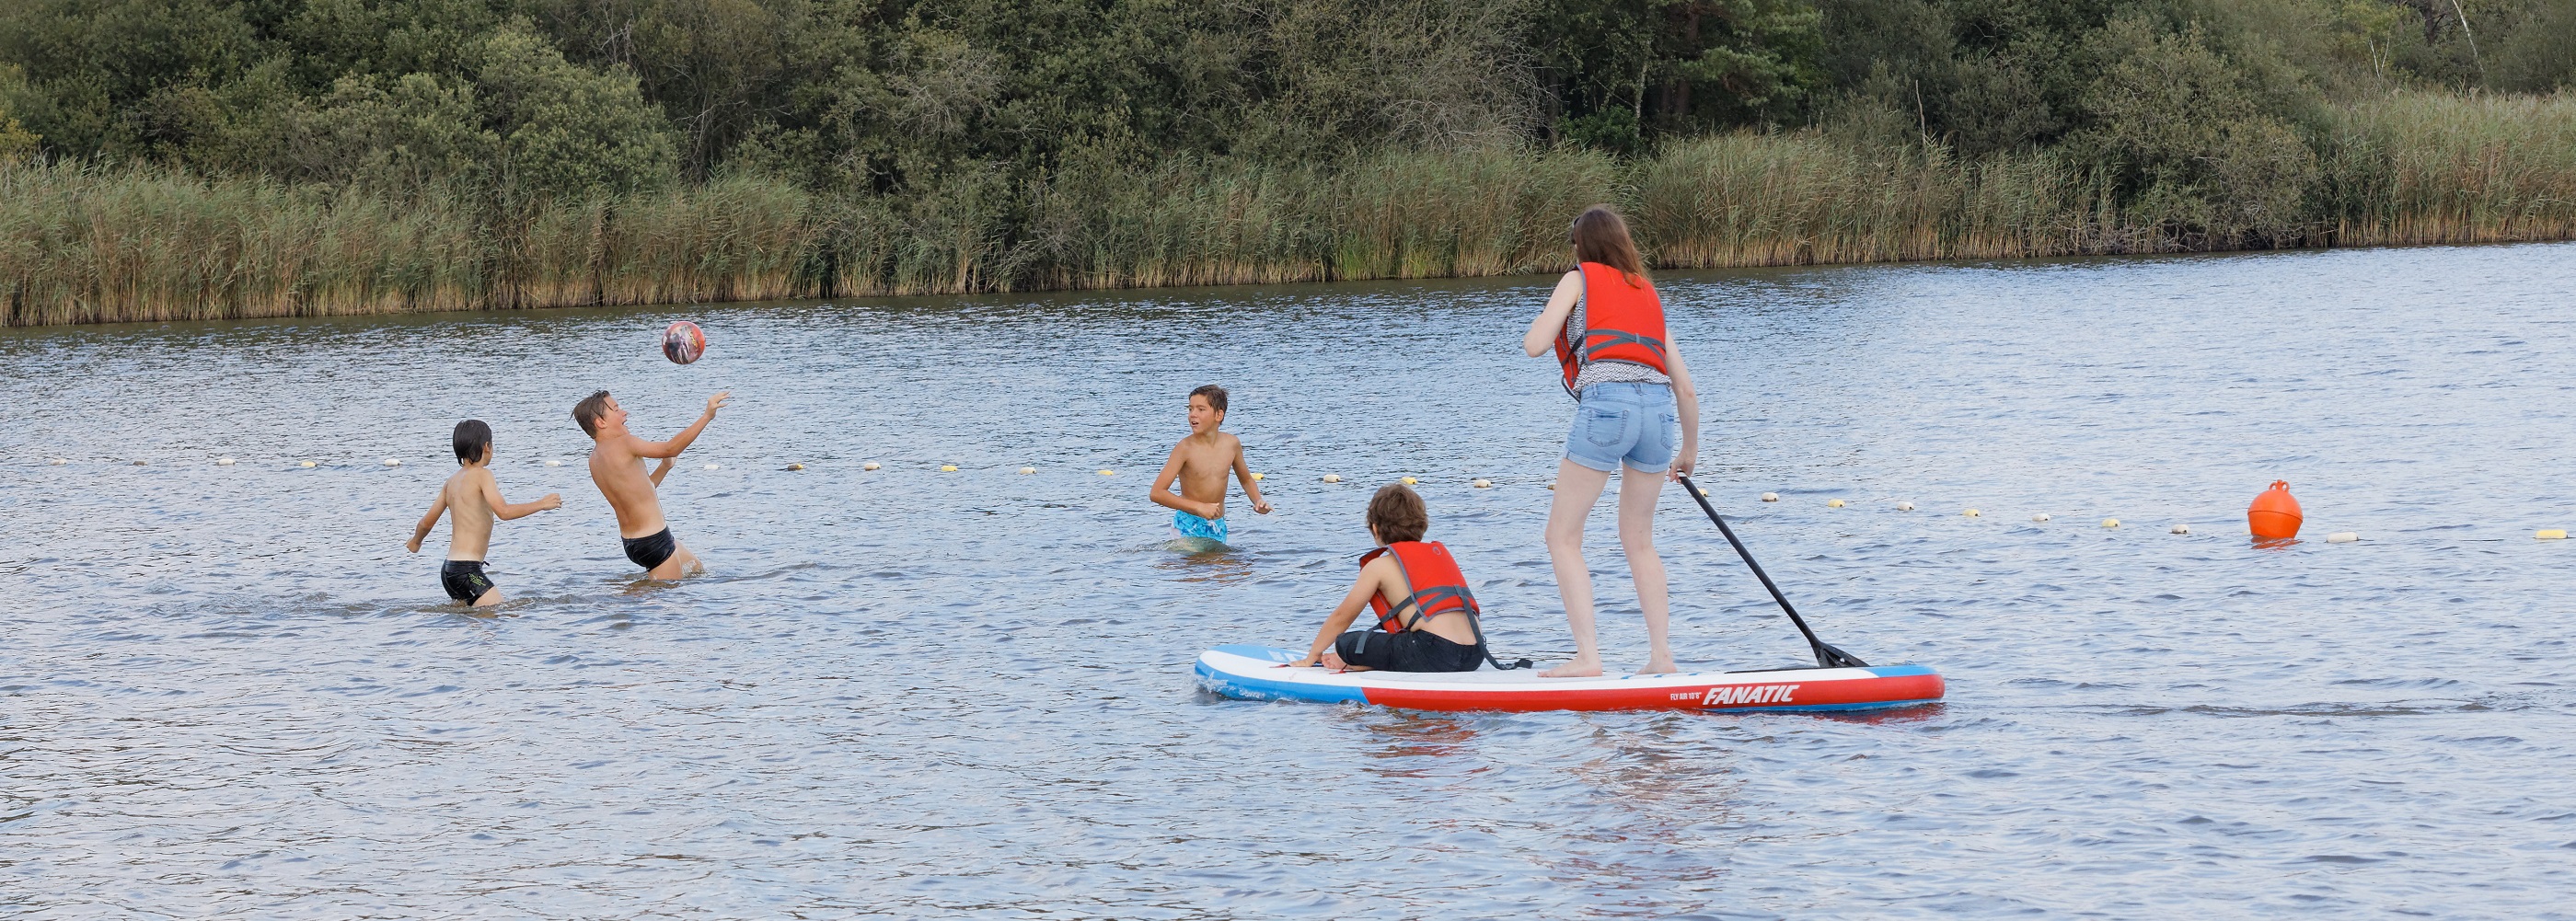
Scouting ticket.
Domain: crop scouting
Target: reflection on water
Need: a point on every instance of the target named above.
(913, 693)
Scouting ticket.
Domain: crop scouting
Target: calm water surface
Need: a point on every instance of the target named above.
(226, 690)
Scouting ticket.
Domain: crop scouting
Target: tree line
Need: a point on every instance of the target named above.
(2187, 123)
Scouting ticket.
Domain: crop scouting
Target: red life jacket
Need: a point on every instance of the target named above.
(1433, 578)
(1621, 322)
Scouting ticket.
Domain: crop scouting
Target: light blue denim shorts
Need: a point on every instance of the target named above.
(1632, 424)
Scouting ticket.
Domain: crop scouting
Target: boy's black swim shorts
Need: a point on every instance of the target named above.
(1409, 651)
(464, 580)
(652, 549)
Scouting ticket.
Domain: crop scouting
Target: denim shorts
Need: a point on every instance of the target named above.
(1620, 423)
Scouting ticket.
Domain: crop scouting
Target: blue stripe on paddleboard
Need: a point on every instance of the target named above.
(1898, 671)
(1246, 687)
(1249, 651)
(1819, 708)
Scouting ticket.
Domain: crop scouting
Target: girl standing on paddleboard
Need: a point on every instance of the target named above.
(1607, 328)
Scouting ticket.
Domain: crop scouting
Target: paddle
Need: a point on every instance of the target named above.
(1826, 655)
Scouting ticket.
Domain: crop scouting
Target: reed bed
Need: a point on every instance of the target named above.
(2416, 168)
(1772, 199)
(85, 243)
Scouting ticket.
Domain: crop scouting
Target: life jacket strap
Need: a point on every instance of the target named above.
(1421, 602)
(1596, 341)
(1421, 599)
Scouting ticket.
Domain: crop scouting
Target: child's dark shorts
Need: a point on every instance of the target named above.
(1410, 651)
(464, 579)
(650, 550)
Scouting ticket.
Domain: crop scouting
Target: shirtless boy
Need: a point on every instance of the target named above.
(1200, 462)
(475, 499)
(617, 468)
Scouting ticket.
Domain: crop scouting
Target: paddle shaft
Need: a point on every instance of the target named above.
(1826, 655)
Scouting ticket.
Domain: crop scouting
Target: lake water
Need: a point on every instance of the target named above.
(226, 690)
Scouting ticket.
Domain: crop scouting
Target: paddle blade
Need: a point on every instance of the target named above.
(1829, 657)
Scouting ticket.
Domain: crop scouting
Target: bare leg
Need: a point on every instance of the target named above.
(1637, 494)
(1577, 488)
(490, 597)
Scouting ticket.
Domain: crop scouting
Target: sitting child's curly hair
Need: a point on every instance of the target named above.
(1397, 514)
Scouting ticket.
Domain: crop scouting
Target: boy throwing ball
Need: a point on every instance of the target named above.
(617, 468)
(1200, 463)
(475, 498)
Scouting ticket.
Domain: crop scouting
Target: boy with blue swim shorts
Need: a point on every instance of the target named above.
(1200, 463)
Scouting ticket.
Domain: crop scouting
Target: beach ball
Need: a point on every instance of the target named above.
(683, 342)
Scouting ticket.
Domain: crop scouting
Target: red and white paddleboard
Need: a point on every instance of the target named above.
(1256, 673)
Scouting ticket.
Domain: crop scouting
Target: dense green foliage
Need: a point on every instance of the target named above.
(580, 95)
(977, 144)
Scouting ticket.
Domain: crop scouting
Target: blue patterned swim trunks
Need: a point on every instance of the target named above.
(1185, 524)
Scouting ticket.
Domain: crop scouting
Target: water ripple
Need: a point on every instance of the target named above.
(911, 693)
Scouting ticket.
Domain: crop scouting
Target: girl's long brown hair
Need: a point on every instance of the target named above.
(1600, 236)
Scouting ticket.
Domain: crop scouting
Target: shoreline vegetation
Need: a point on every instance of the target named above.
(209, 159)
(85, 244)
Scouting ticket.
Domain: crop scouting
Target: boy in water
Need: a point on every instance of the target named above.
(1426, 618)
(1200, 462)
(617, 468)
(475, 498)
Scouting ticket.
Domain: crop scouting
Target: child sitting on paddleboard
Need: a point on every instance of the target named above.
(474, 497)
(1200, 462)
(1426, 618)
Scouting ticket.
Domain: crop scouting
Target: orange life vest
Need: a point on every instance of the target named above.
(1621, 322)
(1432, 575)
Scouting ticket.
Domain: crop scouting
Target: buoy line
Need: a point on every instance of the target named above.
(2273, 512)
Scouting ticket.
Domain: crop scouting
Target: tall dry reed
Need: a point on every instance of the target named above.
(2430, 168)
(1751, 199)
(83, 243)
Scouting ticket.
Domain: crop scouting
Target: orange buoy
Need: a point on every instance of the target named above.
(2274, 515)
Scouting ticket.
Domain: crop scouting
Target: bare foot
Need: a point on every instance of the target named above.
(1658, 667)
(1579, 668)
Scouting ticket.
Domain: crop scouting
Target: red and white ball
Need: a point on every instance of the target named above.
(683, 342)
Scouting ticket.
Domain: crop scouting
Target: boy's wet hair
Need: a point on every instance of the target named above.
(1215, 396)
(1397, 513)
(588, 411)
(472, 439)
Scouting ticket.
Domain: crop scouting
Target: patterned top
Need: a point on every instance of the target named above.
(1607, 372)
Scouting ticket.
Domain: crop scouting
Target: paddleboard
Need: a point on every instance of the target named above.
(1255, 673)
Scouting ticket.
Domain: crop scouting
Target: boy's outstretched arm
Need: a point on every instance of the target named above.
(1251, 487)
(507, 511)
(661, 470)
(428, 521)
(680, 442)
(1165, 497)
(1344, 613)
